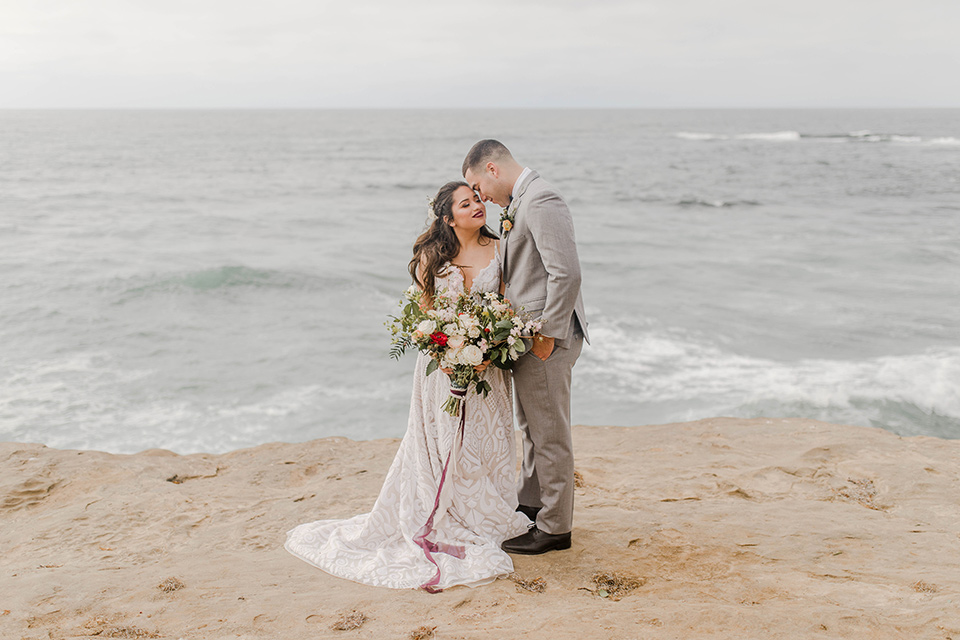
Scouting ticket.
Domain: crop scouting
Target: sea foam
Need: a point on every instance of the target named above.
(661, 365)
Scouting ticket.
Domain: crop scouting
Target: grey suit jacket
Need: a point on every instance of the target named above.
(541, 268)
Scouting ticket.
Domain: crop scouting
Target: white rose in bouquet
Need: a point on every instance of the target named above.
(427, 327)
(471, 355)
(456, 341)
(450, 359)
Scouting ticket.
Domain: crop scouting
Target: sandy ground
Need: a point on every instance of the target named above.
(722, 528)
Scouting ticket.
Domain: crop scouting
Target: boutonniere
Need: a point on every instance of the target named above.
(507, 217)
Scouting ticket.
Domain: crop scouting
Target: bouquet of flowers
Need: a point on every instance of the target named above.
(459, 333)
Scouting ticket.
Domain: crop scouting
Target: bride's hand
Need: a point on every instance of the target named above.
(480, 368)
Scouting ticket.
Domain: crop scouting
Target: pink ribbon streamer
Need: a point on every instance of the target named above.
(429, 547)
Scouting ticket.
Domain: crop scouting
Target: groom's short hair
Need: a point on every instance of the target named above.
(483, 152)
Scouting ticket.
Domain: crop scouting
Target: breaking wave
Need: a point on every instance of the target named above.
(909, 394)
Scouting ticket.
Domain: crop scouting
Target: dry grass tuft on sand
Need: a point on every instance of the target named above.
(423, 633)
(349, 621)
(862, 491)
(169, 585)
(535, 585)
(615, 585)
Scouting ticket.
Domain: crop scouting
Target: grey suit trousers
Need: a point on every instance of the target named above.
(543, 414)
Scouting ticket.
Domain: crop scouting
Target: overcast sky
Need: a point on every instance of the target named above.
(496, 53)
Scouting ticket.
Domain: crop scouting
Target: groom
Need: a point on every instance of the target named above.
(542, 274)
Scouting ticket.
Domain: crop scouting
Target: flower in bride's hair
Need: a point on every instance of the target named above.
(431, 213)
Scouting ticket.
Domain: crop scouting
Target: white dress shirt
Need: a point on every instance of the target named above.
(516, 185)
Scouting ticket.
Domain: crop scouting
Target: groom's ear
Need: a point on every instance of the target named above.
(493, 170)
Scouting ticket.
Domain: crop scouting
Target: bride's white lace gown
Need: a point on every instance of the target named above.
(472, 503)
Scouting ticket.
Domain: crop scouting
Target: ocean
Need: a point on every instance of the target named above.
(210, 280)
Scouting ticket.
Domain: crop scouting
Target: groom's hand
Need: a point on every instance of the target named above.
(542, 346)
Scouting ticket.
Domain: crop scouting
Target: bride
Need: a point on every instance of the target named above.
(448, 500)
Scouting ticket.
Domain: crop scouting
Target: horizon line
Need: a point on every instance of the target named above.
(499, 108)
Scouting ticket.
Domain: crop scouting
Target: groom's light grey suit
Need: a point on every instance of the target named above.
(542, 274)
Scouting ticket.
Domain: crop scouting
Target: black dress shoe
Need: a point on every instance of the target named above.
(530, 512)
(535, 542)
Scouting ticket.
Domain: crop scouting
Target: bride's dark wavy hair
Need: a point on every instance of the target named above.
(439, 244)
